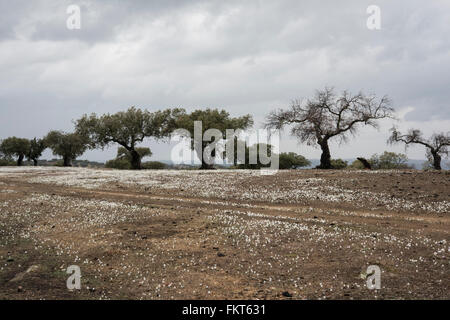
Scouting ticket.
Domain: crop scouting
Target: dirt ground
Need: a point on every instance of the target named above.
(223, 234)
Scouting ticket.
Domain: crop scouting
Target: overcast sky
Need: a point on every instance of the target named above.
(243, 56)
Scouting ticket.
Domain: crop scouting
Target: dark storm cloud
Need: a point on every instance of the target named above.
(247, 56)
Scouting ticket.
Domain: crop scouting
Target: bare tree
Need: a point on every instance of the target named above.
(327, 115)
(437, 145)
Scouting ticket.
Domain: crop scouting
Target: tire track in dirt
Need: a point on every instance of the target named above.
(320, 214)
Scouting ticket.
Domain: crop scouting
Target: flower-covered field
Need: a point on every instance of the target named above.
(223, 234)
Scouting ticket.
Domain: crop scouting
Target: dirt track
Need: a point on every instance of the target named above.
(305, 234)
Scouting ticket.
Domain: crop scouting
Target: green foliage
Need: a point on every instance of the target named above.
(338, 164)
(211, 119)
(356, 164)
(427, 165)
(124, 153)
(37, 146)
(154, 165)
(292, 160)
(127, 128)
(118, 163)
(389, 160)
(255, 149)
(59, 163)
(67, 145)
(21, 148)
(5, 161)
(15, 147)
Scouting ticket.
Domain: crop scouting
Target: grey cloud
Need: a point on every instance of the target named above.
(245, 56)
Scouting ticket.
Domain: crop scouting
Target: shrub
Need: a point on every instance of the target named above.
(338, 164)
(154, 165)
(389, 160)
(59, 163)
(7, 162)
(118, 163)
(292, 160)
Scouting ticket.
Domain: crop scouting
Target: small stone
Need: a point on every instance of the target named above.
(220, 254)
(19, 289)
(286, 294)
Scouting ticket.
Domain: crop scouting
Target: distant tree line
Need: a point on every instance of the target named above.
(386, 160)
(325, 117)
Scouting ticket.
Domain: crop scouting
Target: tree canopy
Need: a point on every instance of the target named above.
(291, 160)
(125, 154)
(15, 147)
(127, 128)
(67, 145)
(328, 115)
(37, 146)
(210, 119)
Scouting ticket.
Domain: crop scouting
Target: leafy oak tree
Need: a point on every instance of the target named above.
(123, 159)
(243, 154)
(328, 116)
(437, 145)
(252, 154)
(37, 146)
(127, 128)
(292, 160)
(67, 145)
(210, 119)
(15, 147)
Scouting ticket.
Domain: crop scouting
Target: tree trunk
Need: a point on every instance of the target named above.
(365, 163)
(205, 166)
(35, 162)
(436, 160)
(325, 158)
(20, 160)
(135, 160)
(67, 162)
